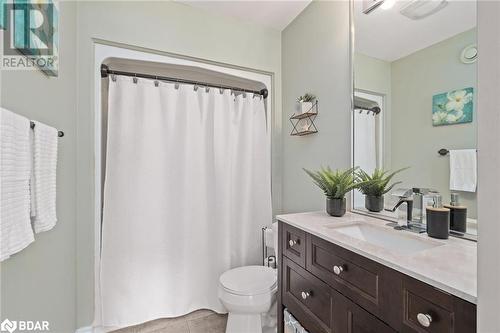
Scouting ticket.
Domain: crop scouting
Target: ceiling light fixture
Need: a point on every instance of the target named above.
(370, 5)
(388, 4)
(419, 9)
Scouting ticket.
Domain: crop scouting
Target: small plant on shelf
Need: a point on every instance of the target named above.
(306, 102)
(375, 185)
(306, 98)
(335, 185)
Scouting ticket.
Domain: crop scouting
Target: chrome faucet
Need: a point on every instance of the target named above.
(420, 195)
(407, 196)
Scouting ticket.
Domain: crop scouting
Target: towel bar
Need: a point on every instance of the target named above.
(444, 151)
(59, 133)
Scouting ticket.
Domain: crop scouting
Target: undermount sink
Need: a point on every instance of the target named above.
(387, 238)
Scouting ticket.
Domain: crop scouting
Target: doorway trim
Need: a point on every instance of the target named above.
(104, 49)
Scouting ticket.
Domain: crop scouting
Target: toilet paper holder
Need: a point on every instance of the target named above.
(267, 259)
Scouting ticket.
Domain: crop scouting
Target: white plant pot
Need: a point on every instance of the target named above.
(306, 106)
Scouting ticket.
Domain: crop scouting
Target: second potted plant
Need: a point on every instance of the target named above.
(335, 185)
(374, 187)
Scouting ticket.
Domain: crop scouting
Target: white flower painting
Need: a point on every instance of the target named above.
(454, 107)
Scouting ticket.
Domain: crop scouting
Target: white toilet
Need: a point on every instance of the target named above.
(248, 293)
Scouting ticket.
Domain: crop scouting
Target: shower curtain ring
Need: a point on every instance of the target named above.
(156, 81)
(135, 78)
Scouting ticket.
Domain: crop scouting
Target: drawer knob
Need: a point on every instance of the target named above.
(305, 295)
(424, 319)
(338, 269)
(292, 242)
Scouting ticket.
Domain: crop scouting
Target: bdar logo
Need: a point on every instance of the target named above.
(8, 326)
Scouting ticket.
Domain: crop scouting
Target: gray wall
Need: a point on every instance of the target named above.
(415, 142)
(372, 74)
(161, 26)
(489, 163)
(39, 283)
(315, 48)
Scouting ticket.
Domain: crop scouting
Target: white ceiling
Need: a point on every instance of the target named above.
(388, 35)
(273, 14)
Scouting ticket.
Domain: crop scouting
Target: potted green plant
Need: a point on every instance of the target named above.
(374, 187)
(306, 102)
(335, 185)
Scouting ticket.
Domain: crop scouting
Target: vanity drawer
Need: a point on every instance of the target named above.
(369, 284)
(307, 298)
(294, 243)
(350, 318)
(427, 309)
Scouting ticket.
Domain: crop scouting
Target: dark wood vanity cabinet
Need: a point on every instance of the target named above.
(446, 312)
(369, 284)
(329, 289)
(307, 297)
(352, 318)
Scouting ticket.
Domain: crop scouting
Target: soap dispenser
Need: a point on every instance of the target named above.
(438, 219)
(458, 215)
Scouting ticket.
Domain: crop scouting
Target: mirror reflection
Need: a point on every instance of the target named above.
(414, 108)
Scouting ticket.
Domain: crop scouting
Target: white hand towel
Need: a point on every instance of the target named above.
(463, 170)
(45, 165)
(15, 167)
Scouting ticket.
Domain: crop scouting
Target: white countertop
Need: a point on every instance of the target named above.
(451, 266)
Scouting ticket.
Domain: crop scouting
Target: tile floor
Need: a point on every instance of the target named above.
(201, 321)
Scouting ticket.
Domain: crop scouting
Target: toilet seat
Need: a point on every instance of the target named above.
(249, 280)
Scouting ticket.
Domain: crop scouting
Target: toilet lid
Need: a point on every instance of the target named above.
(249, 280)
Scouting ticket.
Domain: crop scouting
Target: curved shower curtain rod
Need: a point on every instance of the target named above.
(106, 71)
(361, 103)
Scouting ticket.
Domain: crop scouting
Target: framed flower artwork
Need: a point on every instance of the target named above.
(454, 107)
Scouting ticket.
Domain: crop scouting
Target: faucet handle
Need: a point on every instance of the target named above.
(401, 201)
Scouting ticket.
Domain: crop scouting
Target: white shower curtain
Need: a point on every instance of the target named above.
(187, 190)
(366, 151)
(365, 148)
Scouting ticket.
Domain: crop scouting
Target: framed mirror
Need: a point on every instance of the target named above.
(414, 64)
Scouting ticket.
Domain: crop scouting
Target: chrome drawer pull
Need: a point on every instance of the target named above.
(338, 269)
(292, 242)
(305, 294)
(424, 319)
